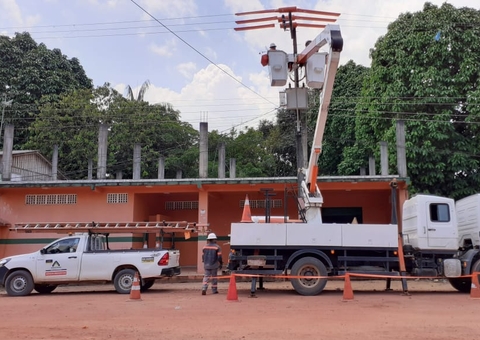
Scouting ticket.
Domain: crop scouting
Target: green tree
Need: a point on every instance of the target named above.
(248, 147)
(340, 127)
(141, 92)
(72, 122)
(159, 131)
(425, 71)
(30, 75)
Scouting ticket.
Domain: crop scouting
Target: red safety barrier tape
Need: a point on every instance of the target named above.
(339, 277)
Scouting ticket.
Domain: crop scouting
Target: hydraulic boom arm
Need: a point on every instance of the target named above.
(331, 35)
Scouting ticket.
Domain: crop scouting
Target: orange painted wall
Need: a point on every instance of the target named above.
(145, 203)
(91, 206)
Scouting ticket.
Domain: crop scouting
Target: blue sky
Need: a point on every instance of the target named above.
(212, 73)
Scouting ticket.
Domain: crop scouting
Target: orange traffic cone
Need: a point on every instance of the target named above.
(347, 290)
(247, 214)
(135, 290)
(232, 289)
(475, 288)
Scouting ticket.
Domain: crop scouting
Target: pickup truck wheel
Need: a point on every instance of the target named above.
(19, 283)
(44, 289)
(147, 284)
(309, 266)
(123, 281)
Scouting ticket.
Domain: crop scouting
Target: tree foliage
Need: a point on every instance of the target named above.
(31, 74)
(425, 71)
(340, 127)
(73, 124)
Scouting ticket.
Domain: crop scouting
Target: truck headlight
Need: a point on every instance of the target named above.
(4, 262)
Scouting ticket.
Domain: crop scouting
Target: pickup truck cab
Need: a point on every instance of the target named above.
(84, 258)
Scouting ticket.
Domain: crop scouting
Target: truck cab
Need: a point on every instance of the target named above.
(430, 223)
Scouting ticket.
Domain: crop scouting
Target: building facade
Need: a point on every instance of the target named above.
(218, 202)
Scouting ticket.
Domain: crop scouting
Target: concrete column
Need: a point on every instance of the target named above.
(55, 162)
(221, 160)
(203, 161)
(384, 158)
(401, 152)
(371, 166)
(90, 169)
(202, 236)
(161, 167)
(179, 174)
(363, 171)
(233, 168)
(137, 161)
(7, 152)
(102, 151)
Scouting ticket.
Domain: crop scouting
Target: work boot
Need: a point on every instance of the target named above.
(204, 292)
(215, 292)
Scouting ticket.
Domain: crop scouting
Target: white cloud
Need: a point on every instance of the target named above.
(238, 6)
(187, 69)
(211, 54)
(165, 50)
(170, 9)
(11, 9)
(224, 101)
(10, 12)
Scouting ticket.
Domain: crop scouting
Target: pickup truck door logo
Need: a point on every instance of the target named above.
(55, 270)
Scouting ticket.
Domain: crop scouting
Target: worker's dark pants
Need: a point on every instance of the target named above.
(210, 274)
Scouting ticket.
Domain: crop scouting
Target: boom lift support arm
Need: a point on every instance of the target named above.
(331, 35)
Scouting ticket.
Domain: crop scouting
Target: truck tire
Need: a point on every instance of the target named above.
(19, 283)
(464, 285)
(309, 266)
(44, 289)
(123, 281)
(461, 284)
(147, 284)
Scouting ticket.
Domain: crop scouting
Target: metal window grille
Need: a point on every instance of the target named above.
(117, 198)
(261, 203)
(54, 199)
(181, 205)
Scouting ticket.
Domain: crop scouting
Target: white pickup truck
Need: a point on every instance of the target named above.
(85, 257)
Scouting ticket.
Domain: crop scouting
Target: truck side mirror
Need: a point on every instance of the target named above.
(42, 251)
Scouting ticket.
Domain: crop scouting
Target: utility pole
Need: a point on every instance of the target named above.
(296, 98)
(4, 105)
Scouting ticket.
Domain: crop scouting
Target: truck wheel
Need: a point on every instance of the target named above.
(19, 283)
(147, 284)
(123, 281)
(462, 284)
(44, 289)
(309, 266)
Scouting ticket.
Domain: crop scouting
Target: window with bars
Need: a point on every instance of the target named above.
(117, 198)
(53, 199)
(181, 205)
(261, 203)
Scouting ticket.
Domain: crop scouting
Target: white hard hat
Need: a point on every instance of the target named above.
(273, 45)
(211, 236)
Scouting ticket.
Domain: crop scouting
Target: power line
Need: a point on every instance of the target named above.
(200, 53)
(117, 22)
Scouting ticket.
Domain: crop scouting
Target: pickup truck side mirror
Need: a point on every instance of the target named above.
(42, 251)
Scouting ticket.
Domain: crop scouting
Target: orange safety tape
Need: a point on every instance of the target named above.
(371, 276)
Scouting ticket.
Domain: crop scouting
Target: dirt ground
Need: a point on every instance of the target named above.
(178, 311)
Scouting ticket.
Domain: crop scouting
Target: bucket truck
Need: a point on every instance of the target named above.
(313, 250)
